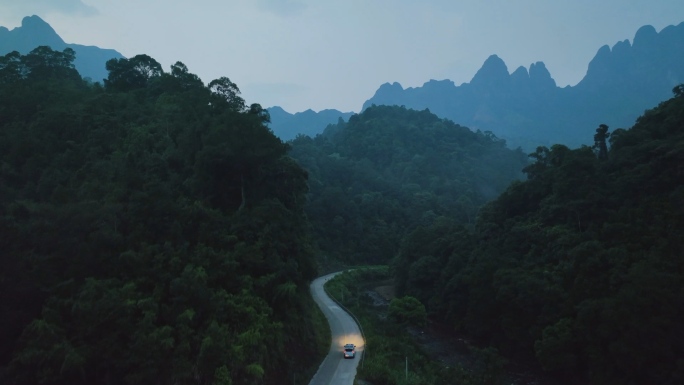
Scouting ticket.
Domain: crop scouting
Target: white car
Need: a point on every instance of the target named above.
(349, 350)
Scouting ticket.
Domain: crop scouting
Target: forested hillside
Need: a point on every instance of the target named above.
(389, 169)
(151, 230)
(579, 266)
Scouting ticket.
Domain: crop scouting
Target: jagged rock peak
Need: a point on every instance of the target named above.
(386, 94)
(308, 111)
(388, 90)
(492, 72)
(520, 73)
(538, 70)
(33, 20)
(645, 36)
(276, 108)
(621, 48)
(391, 87)
(520, 78)
(35, 30)
(672, 35)
(439, 84)
(600, 60)
(540, 76)
(37, 24)
(32, 32)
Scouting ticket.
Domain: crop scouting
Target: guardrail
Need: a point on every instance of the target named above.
(365, 342)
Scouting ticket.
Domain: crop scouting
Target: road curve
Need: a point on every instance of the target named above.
(335, 370)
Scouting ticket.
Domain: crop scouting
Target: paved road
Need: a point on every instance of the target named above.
(335, 370)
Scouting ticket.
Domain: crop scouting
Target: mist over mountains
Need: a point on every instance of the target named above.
(525, 107)
(34, 31)
(528, 109)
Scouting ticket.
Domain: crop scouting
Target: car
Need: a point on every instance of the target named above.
(349, 351)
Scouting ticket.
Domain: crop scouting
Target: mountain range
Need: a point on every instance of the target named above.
(287, 126)
(525, 107)
(528, 109)
(34, 31)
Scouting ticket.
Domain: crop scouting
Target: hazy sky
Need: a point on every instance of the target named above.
(320, 54)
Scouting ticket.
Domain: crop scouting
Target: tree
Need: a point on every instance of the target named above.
(260, 112)
(186, 79)
(600, 141)
(228, 93)
(129, 74)
(678, 91)
(11, 67)
(541, 162)
(408, 310)
(556, 349)
(44, 56)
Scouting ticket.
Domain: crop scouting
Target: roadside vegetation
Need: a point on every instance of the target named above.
(391, 355)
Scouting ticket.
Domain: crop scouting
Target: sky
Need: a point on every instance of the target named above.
(325, 54)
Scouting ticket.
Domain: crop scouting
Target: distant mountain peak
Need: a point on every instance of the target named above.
(540, 76)
(439, 84)
(520, 75)
(388, 91)
(34, 20)
(287, 126)
(34, 32)
(539, 69)
(35, 26)
(621, 80)
(493, 72)
(599, 63)
(391, 87)
(276, 108)
(524, 106)
(645, 36)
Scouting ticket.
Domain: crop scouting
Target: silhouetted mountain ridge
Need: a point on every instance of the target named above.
(526, 107)
(34, 31)
(287, 126)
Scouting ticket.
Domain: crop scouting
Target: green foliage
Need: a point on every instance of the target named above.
(153, 231)
(389, 347)
(579, 267)
(388, 170)
(489, 366)
(556, 350)
(407, 310)
(129, 74)
(600, 141)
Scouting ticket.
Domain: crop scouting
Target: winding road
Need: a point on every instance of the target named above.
(335, 370)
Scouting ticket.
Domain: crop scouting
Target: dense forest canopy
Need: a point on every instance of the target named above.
(152, 230)
(579, 266)
(379, 175)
